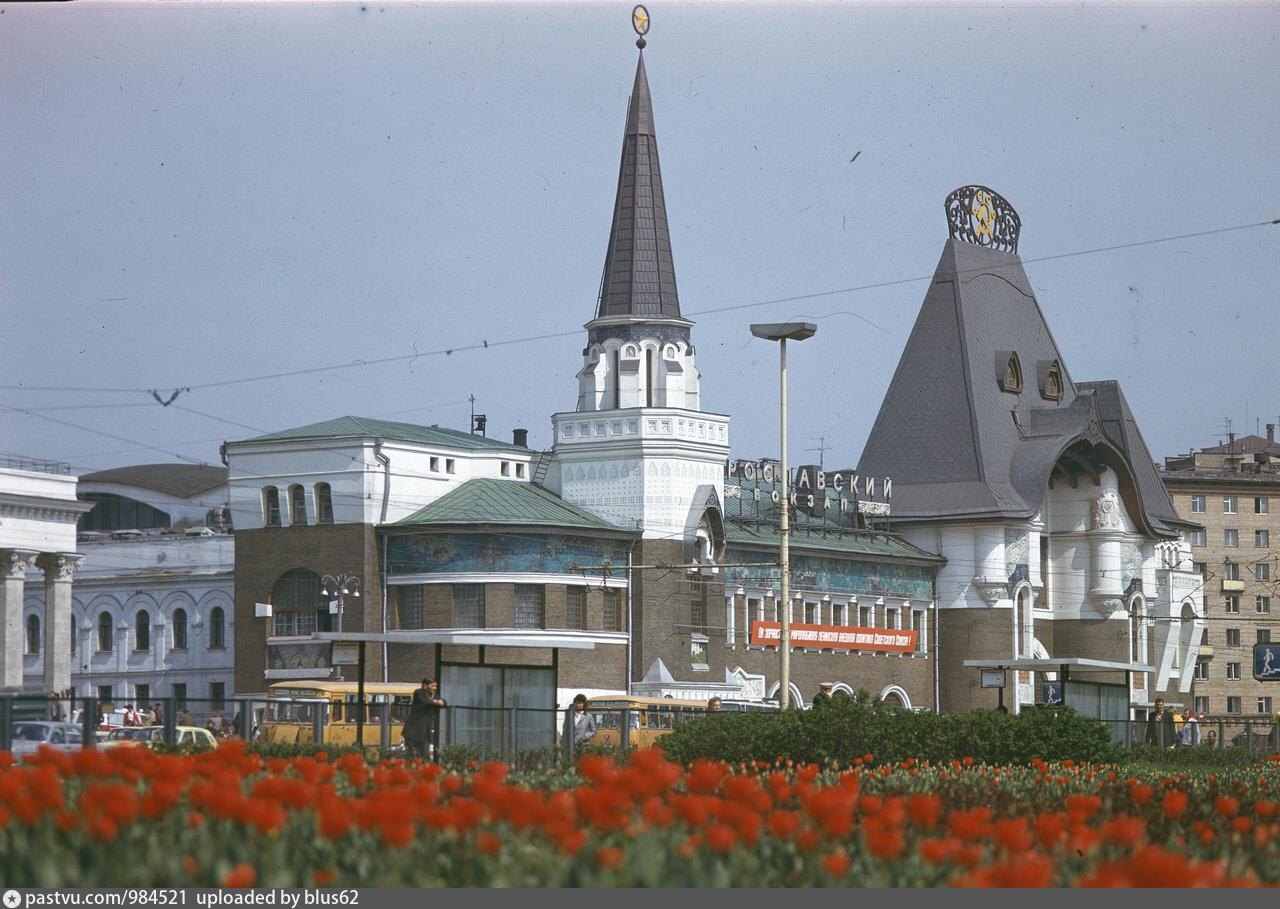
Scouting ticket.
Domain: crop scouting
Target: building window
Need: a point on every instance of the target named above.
(1230, 538)
(1262, 605)
(468, 606)
(180, 696)
(435, 465)
(1197, 504)
(504, 468)
(1233, 704)
(1261, 505)
(612, 609)
(1052, 390)
(217, 628)
(891, 617)
(75, 632)
(1233, 637)
(1231, 571)
(1198, 567)
(697, 603)
(1230, 505)
(450, 466)
(179, 629)
(1233, 671)
(298, 607)
(1232, 604)
(1264, 706)
(324, 503)
(297, 505)
(867, 616)
(730, 621)
(1262, 571)
(519, 471)
(105, 634)
(1198, 537)
(217, 695)
(575, 607)
(142, 631)
(840, 614)
(1264, 635)
(104, 695)
(1011, 374)
(1201, 705)
(411, 610)
(1202, 670)
(33, 634)
(531, 609)
(271, 506)
(811, 613)
(113, 512)
(141, 695)
(920, 625)
(1262, 539)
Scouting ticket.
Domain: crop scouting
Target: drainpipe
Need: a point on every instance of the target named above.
(386, 500)
(630, 628)
(937, 635)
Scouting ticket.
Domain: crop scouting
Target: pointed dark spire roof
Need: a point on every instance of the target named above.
(639, 278)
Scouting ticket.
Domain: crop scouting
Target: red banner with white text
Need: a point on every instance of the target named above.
(836, 637)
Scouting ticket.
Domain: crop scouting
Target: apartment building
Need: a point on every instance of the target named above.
(1233, 491)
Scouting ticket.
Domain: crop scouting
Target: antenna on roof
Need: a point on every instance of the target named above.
(820, 449)
(478, 420)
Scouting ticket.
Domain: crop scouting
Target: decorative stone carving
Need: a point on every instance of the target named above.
(1106, 604)
(14, 562)
(992, 590)
(1106, 512)
(59, 566)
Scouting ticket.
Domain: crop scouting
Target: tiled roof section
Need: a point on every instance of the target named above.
(509, 502)
(1246, 445)
(182, 481)
(956, 445)
(365, 427)
(639, 277)
(862, 544)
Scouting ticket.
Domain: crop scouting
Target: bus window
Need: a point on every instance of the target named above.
(336, 707)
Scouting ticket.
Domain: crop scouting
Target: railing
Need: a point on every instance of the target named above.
(1259, 734)
(38, 465)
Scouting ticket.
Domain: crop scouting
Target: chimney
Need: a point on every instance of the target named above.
(1231, 440)
(1271, 433)
(520, 437)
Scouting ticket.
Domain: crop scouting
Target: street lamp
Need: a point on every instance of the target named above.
(782, 332)
(340, 586)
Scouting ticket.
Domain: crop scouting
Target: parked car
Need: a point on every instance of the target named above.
(29, 735)
(152, 735)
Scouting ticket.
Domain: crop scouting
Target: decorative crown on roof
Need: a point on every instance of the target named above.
(983, 217)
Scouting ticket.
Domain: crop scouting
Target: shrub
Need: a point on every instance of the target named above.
(846, 729)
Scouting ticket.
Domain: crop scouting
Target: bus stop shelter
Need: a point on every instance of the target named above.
(1090, 697)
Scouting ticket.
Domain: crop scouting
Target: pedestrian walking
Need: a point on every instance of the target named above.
(422, 727)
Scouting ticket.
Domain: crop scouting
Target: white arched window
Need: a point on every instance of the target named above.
(179, 629)
(142, 631)
(33, 634)
(271, 506)
(105, 633)
(217, 628)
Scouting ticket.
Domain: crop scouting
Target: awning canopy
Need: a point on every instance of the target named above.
(1078, 664)
(562, 639)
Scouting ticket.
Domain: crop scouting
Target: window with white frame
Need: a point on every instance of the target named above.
(1233, 704)
(504, 468)
(435, 465)
(1263, 635)
(1230, 505)
(271, 506)
(1230, 537)
(1261, 505)
(1201, 704)
(519, 471)
(867, 615)
(1198, 537)
(810, 613)
(1264, 705)
(891, 617)
(920, 623)
(1232, 605)
(297, 505)
(1262, 571)
(1233, 637)
(1262, 605)
(1231, 571)
(1262, 539)
(1233, 671)
(730, 622)
(755, 610)
(450, 466)
(1197, 504)
(1202, 670)
(839, 613)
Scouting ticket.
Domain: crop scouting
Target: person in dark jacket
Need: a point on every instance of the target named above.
(1160, 729)
(423, 724)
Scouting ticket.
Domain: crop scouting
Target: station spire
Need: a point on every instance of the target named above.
(639, 278)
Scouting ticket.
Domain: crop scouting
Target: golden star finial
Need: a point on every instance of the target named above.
(640, 20)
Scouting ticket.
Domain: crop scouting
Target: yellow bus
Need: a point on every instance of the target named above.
(648, 719)
(291, 713)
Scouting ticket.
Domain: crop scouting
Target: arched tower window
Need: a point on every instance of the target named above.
(648, 377)
(297, 505)
(217, 628)
(142, 631)
(1051, 384)
(179, 629)
(1138, 630)
(271, 506)
(105, 637)
(298, 607)
(324, 503)
(1024, 623)
(1009, 371)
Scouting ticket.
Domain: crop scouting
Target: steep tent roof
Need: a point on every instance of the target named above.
(506, 502)
(639, 278)
(981, 406)
(365, 427)
(182, 481)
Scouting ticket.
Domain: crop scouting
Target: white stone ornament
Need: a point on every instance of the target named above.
(1106, 512)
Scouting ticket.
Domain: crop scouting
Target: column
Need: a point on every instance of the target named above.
(59, 569)
(13, 574)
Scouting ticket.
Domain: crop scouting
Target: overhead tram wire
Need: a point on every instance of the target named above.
(486, 344)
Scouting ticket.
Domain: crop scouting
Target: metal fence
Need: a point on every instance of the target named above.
(1259, 734)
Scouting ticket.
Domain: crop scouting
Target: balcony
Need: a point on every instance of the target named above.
(1232, 586)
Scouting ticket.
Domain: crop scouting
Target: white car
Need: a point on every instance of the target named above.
(154, 735)
(29, 735)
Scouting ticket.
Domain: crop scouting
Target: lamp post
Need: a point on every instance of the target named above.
(340, 586)
(783, 332)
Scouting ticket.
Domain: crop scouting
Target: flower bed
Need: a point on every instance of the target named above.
(130, 817)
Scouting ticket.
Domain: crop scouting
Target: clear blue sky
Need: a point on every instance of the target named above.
(196, 193)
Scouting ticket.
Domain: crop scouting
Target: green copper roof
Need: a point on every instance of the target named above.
(487, 501)
(866, 544)
(348, 427)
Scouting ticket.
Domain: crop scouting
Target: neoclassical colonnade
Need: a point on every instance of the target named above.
(59, 570)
